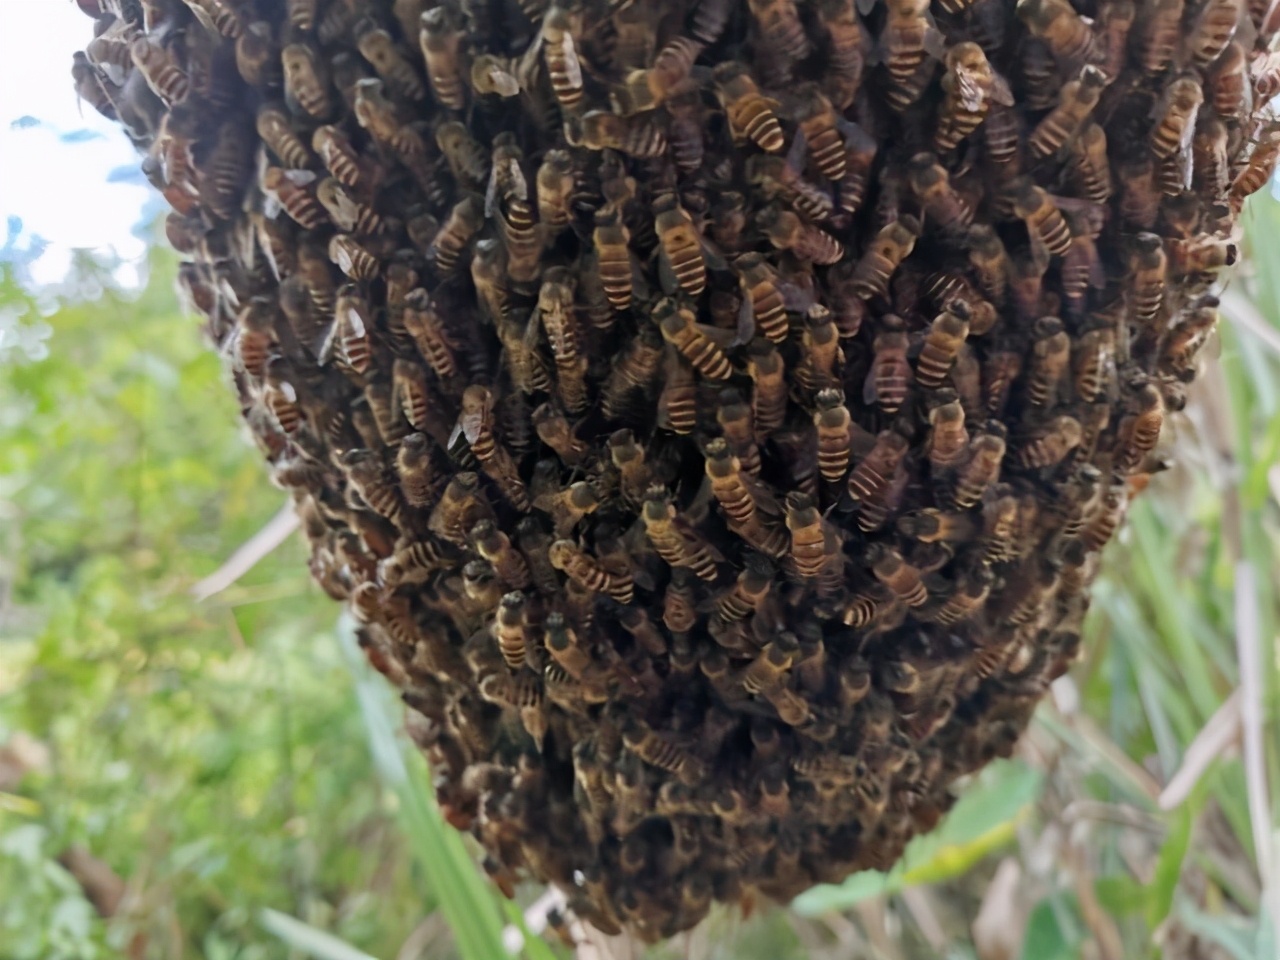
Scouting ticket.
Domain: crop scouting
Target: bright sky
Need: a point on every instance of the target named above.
(56, 175)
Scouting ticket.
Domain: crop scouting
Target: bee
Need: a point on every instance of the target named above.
(649, 89)
(495, 547)
(352, 258)
(674, 539)
(226, 172)
(1174, 128)
(475, 424)
(1049, 445)
(834, 425)
(813, 543)
(510, 626)
(907, 41)
(846, 57)
(556, 312)
(969, 87)
(736, 420)
(426, 327)
(659, 752)
(568, 506)
(1211, 31)
(160, 69)
(561, 56)
(554, 430)
(1064, 122)
(1062, 29)
(874, 474)
(750, 114)
(339, 156)
(1102, 526)
(771, 664)
(1148, 267)
(748, 594)
(767, 370)
(699, 343)
(931, 525)
(460, 507)
(1114, 23)
(1159, 30)
(942, 344)
(441, 44)
(678, 401)
(350, 339)
(277, 133)
(1089, 165)
(780, 29)
(1043, 218)
(932, 186)
(591, 573)
(902, 579)
(464, 222)
(759, 285)
(680, 245)
(306, 81)
(612, 243)
(640, 137)
(1094, 364)
(1187, 336)
(91, 86)
(818, 124)
(1211, 173)
(417, 474)
(467, 160)
(948, 439)
(889, 379)
(742, 499)
(1140, 431)
(781, 178)
(821, 353)
(883, 255)
(980, 470)
(633, 372)
(375, 113)
(1258, 170)
(369, 480)
(1050, 357)
(989, 260)
(555, 183)
(390, 63)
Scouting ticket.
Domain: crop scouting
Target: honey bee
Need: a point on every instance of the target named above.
(467, 160)
(702, 345)
(475, 424)
(352, 258)
(834, 425)
(495, 547)
(931, 184)
(907, 41)
(743, 499)
(414, 466)
(1140, 431)
(441, 44)
(780, 28)
(159, 68)
(658, 752)
(874, 474)
(883, 255)
(759, 285)
(980, 470)
(813, 542)
(91, 86)
(818, 123)
(674, 539)
(901, 578)
(612, 243)
(750, 114)
(375, 113)
(649, 89)
(942, 344)
(1158, 31)
(769, 398)
(1115, 21)
(969, 87)
(640, 137)
(736, 420)
(339, 156)
(554, 430)
(1148, 266)
(510, 626)
(821, 353)
(931, 525)
(1043, 218)
(1211, 31)
(592, 573)
(350, 340)
(1063, 30)
(306, 81)
(369, 480)
(460, 506)
(464, 222)
(390, 63)
(568, 506)
(1064, 122)
(1094, 364)
(1187, 336)
(1090, 167)
(948, 439)
(277, 133)
(1050, 357)
(560, 54)
(748, 594)
(678, 401)
(633, 373)
(1175, 114)
(889, 379)
(846, 57)
(990, 261)
(1049, 445)
(680, 245)
(1261, 165)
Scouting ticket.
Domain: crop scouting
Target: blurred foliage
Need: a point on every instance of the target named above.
(232, 767)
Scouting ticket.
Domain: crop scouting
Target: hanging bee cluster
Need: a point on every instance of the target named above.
(712, 411)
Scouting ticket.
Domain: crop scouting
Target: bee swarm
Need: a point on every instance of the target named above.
(712, 411)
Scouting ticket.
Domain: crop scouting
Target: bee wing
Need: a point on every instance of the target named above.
(935, 44)
(866, 6)
(869, 385)
(666, 275)
(1000, 92)
(746, 330)
(572, 65)
(491, 192)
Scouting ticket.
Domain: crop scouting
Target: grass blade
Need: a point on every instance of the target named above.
(310, 940)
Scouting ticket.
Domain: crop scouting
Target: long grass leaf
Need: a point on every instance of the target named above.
(307, 939)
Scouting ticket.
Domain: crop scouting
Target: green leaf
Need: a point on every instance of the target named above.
(535, 948)
(1164, 882)
(832, 898)
(1044, 938)
(310, 940)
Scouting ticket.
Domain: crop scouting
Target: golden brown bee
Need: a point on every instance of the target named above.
(743, 499)
(590, 572)
(1175, 116)
(942, 344)
(1089, 164)
(680, 245)
(1064, 122)
(932, 186)
(640, 137)
(475, 424)
(702, 345)
(990, 261)
(495, 547)
(1115, 21)
(467, 159)
(634, 372)
(159, 68)
(750, 113)
(748, 593)
(1148, 266)
(674, 538)
(948, 439)
(678, 401)
(441, 44)
(834, 425)
(555, 431)
(1049, 445)
(556, 312)
(883, 255)
(846, 45)
(874, 474)
(350, 340)
(510, 626)
(1094, 363)
(780, 178)
(560, 54)
(1231, 88)
(979, 471)
(889, 379)
(306, 81)
(1043, 218)
(568, 506)
(656, 751)
(389, 62)
(769, 398)
(907, 41)
(813, 542)
(1211, 171)
(1261, 165)
(612, 241)
(1050, 357)
(353, 259)
(628, 457)
(277, 133)
(1140, 431)
(1062, 29)
(780, 29)
(377, 114)
(413, 464)
(759, 284)
(465, 220)
(818, 123)
(649, 89)
(338, 155)
(1211, 31)
(460, 506)
(901, 578)
(1157, 33)
(969, 87)
(1188, 335)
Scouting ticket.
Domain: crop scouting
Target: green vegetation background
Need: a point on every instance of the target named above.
(235, 772)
